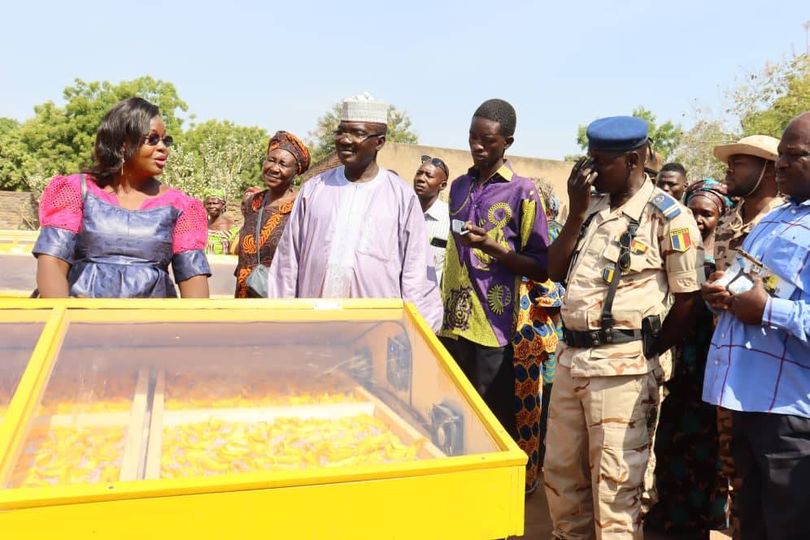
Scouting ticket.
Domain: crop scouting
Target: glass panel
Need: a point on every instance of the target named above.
(19, 274)
(17, 341)
(166, 400)
(87, 420)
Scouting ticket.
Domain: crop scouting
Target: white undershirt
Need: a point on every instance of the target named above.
(355, 198)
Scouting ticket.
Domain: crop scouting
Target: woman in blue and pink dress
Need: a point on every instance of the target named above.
(113, 231)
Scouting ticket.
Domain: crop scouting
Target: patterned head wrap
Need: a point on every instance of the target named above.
(215, 193)
(711, 189)
(293, 145)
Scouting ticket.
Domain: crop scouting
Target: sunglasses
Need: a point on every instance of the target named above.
(624, 251)
(436, 162)
(153, 139)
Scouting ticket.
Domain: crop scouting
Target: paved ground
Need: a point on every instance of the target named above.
(19, 274)
(538, 525)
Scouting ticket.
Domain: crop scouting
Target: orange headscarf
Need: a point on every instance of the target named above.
(293, 145)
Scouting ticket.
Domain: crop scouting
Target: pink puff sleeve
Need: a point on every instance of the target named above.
(61, 204)
(191, 229)
(189, 240)
(60, 218)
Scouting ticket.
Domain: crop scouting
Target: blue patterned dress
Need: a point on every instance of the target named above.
(114, 252)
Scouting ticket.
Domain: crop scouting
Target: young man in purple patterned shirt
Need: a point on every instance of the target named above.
(499, 235)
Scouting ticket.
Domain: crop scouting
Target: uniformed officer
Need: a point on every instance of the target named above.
(622, 252)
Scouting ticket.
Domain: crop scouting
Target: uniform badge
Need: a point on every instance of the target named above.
(638, 247)
(680, 239)
(608, 272)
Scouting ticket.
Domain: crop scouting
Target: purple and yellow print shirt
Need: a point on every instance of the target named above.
(480, 295)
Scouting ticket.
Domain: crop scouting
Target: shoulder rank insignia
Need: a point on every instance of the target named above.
(608, 272)
(680, 239)
(666, 204)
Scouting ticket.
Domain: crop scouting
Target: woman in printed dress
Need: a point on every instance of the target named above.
(114, 230)
(222, 232)
(691, 490)
(287, 157)
(534, 344)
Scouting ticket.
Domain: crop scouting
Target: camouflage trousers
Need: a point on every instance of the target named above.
(650, 494)
(598, 445)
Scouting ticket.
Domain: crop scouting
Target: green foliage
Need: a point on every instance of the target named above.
(694, 151)
(11, 152)
(217, 154)
(665, 137)
(59, 140)
(322, 143)
(762, 103)
(770, 99)
(224, 136)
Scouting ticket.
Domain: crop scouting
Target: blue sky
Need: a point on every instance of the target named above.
(281, 65)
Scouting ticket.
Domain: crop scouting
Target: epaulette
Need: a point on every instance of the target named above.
(666, 204)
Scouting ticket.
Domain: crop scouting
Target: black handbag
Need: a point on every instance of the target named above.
(257, 279)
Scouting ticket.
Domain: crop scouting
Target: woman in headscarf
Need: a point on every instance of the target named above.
(534, 343)
(221, 230)
(691, 491)
(708, 201)
(287, 157)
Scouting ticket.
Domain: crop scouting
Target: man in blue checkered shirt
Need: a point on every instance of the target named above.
(759, 362)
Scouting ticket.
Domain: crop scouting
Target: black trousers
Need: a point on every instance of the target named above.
(772, 459)
(491, 371)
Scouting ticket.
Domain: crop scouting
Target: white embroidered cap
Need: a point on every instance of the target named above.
(364, 108)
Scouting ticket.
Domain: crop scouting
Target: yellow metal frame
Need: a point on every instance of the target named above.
(29, 390)
(18, 506)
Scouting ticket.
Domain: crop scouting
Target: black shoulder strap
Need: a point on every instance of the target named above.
(259, 230)
(585, 226)
(607, 306)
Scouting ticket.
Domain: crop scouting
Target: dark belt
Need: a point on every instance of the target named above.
(595, 338)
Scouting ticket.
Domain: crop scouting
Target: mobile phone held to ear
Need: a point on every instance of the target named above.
(458, 227)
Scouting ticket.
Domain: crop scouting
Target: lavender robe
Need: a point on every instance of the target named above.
(357, 240)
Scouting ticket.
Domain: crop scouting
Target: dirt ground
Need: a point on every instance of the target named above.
(538, 523)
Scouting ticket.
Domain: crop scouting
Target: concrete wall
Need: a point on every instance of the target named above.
(18, 210)
(406, 158)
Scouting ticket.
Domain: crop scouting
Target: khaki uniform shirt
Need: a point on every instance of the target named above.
(731, 231)
(666, 257)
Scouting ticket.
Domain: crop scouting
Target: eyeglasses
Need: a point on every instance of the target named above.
(356, 136)
(153, 139)
(436, 162)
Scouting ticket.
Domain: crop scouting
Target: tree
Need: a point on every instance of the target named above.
(11, 152)
(322, 143)
(665, 137)
(59, 140)
(219, 155)
(760, 103)
(695, 148)
(217, 134)
(766, 102)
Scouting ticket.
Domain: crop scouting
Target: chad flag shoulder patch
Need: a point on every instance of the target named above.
(680, 239)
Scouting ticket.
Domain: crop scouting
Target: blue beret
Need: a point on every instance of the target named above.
(617, 134)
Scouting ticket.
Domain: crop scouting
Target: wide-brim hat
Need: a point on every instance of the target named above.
(761, 146)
